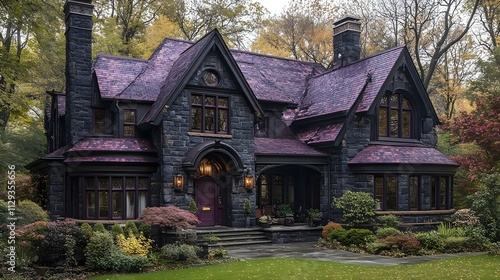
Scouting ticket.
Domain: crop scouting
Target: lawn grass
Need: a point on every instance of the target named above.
(470, 267)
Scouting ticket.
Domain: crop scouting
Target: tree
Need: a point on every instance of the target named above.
(482, 125)
(486, 203)
(235, 19)
(489, 15)
(303, 31)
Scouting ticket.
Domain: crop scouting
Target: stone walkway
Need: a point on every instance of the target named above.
(308, 250)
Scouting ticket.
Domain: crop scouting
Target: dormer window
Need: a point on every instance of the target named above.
(129, 123)
(395, 117)
(209, 113)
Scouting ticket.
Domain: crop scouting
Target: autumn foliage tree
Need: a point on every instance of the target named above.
(482, 125)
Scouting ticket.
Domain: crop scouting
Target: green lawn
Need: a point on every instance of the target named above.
(473, 267)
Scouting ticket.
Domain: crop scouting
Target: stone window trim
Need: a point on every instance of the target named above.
(131, 192)
(396, 117)
(210, 113)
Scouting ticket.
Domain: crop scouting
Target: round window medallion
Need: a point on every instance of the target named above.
(211, 78)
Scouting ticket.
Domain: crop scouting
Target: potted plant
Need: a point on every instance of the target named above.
(285, 211)
(265, 221)
(314, 217)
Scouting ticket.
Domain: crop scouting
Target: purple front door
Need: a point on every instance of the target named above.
(209, 201)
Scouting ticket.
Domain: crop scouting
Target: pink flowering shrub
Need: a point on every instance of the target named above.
(169, 216)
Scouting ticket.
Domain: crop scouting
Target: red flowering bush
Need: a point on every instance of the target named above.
(169, 216)
(406, 243)
(328, 228)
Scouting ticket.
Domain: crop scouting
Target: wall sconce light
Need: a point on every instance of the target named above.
(248, 183)
(178, 181)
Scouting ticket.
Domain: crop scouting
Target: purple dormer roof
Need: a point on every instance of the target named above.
(320, 134)
(337, 90)
(381, 154)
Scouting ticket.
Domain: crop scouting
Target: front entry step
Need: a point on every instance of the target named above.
(227, 237)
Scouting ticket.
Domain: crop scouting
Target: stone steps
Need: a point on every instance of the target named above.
(231, 236)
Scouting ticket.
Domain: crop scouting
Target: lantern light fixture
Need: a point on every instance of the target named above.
(178, 181)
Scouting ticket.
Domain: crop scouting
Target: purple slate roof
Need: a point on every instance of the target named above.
(273, 146)
(114, 159)
(274, 78)
(114, 74)
(380, 154)
(337, 90)
(320, 134)
(113, 145)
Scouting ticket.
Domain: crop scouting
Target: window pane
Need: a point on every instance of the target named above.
(141, 201)
(222, 123)
(130, 205)
(264, 193)
(277, 190)
(117, 204)
(103, 205)
(382, 121)
(223, 102)
(196, 118)
(394, 123)
(196, 99)
(130, 182)
(413, 192)
(142, 183)
(103, 182)
(383, 102)
(209, 101)
(129, 116)
(379, 190)
(90, 183)
(129, 130)
(405, 104)
(391, 193)
(442, 193)
(90, 204)
(99, 121)
(434, 189)
(406, 123)
(290, 190)
(209, 120)
(395, 101)
(116, 183)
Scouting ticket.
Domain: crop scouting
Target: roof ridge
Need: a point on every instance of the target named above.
(274, 56)
(359, 61)
(120, 57)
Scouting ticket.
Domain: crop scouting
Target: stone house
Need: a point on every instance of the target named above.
(198, 121)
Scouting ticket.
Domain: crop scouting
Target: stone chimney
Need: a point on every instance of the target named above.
(346, 46)
(78, 17)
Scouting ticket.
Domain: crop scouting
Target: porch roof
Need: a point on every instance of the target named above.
(276, 146)
(112, 159)
(114, 145)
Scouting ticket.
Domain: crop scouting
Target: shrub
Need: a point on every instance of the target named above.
(247, 207)
(406, 243)
(126, 263)
(431, 240)
(455, 244)
(376, 247)
(116, 230)
(193, 208)
(356, 236)
(358, 208)
(494, 248)
(388, 221)
(132, 245)
(63, 244)
(446, 230)
(179, 252)
(187, 236)
(130, 228)
(99, 251)
(464, 217)
(217, 253)
(477, 238)
(145, 229)
(387, 231)
(169, 216)
(87, 229)
(337, 234)
(284, 210)
(328, 228)
(99, 227)
(29, 212)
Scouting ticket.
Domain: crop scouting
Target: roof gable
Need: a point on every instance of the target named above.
(185, 66)
(337, 90)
